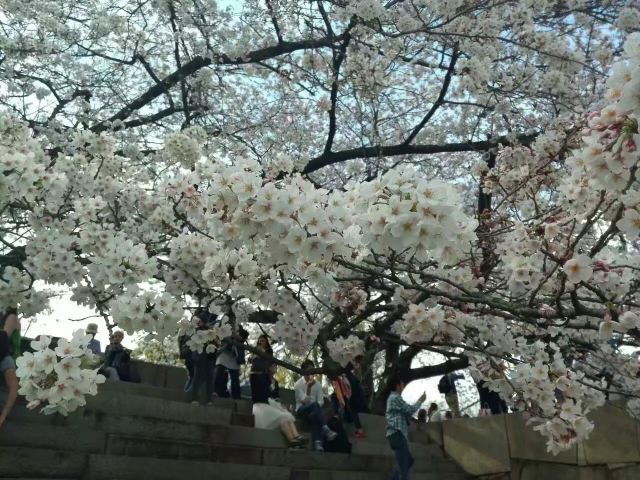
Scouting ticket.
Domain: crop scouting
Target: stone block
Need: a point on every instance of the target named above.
(141, 406)
(149, 373)
(254, 437)
(38, 462)
(557, 471)
(50, 436)
(614, 438)
(110, 467)
(175, 378)
(478, 445)
(527, 444)
(630, 472)
(325, 461)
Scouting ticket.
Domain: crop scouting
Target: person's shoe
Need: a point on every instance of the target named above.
(359, 434)
(195, 402)
(298, 442)
(317, 446)
(328, 433)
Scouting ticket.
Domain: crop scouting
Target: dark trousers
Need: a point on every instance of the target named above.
(404, 459)
(203, 368)
(313, 415)
(189, 365)
(222, 375)
(349, 414)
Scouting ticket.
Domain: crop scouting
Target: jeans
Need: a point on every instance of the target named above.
(404, 459)
(203, 374)
(313, 414)
(453, 403)
(221, 382)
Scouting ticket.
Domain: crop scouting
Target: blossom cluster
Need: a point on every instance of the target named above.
(345, 349)
(58, 379)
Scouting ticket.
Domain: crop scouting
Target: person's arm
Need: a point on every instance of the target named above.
(318, 393)
(301, 395)
(11, 380)
(406, 409)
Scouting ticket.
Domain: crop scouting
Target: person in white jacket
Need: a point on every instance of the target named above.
(309, 401)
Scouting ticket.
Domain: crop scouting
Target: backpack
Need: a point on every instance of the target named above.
(444, 385)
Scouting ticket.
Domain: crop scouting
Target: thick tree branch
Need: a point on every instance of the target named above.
(331, 158)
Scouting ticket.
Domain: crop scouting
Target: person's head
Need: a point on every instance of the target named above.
(433, 407)
(307, 365)
(448, 415)
(92, 329)
(357, 362)
(9, 321)
(205, 318)
(422, 415)
(117, 337)
(397, 383)
(263, 344)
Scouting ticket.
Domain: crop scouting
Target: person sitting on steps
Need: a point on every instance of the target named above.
(117, 359)
(309, 401)
(265, 393)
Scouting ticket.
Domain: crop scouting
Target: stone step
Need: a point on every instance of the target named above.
(115, 467)
(215, 443)
(41, 463)
(125, 388)
(165, 448)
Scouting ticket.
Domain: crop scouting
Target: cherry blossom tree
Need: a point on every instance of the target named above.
(358, 177)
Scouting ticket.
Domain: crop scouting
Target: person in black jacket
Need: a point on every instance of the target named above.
(203, 363)
(117, 359)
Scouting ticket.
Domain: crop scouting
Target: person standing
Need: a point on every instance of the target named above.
(202, 363)
(94, 345)
(447, 385)
(10, 324)
(309, 401)
(397, 415)
(228, 363)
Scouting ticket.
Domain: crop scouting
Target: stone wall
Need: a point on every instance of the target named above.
(503, 447)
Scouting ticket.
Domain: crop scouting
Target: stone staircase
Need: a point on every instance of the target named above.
(139, 432)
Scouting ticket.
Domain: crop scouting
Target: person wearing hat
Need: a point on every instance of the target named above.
(94, 345)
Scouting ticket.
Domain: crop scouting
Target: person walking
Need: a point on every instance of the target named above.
(447, 385)
(397, 415)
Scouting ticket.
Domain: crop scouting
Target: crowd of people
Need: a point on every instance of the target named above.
(211, 372)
